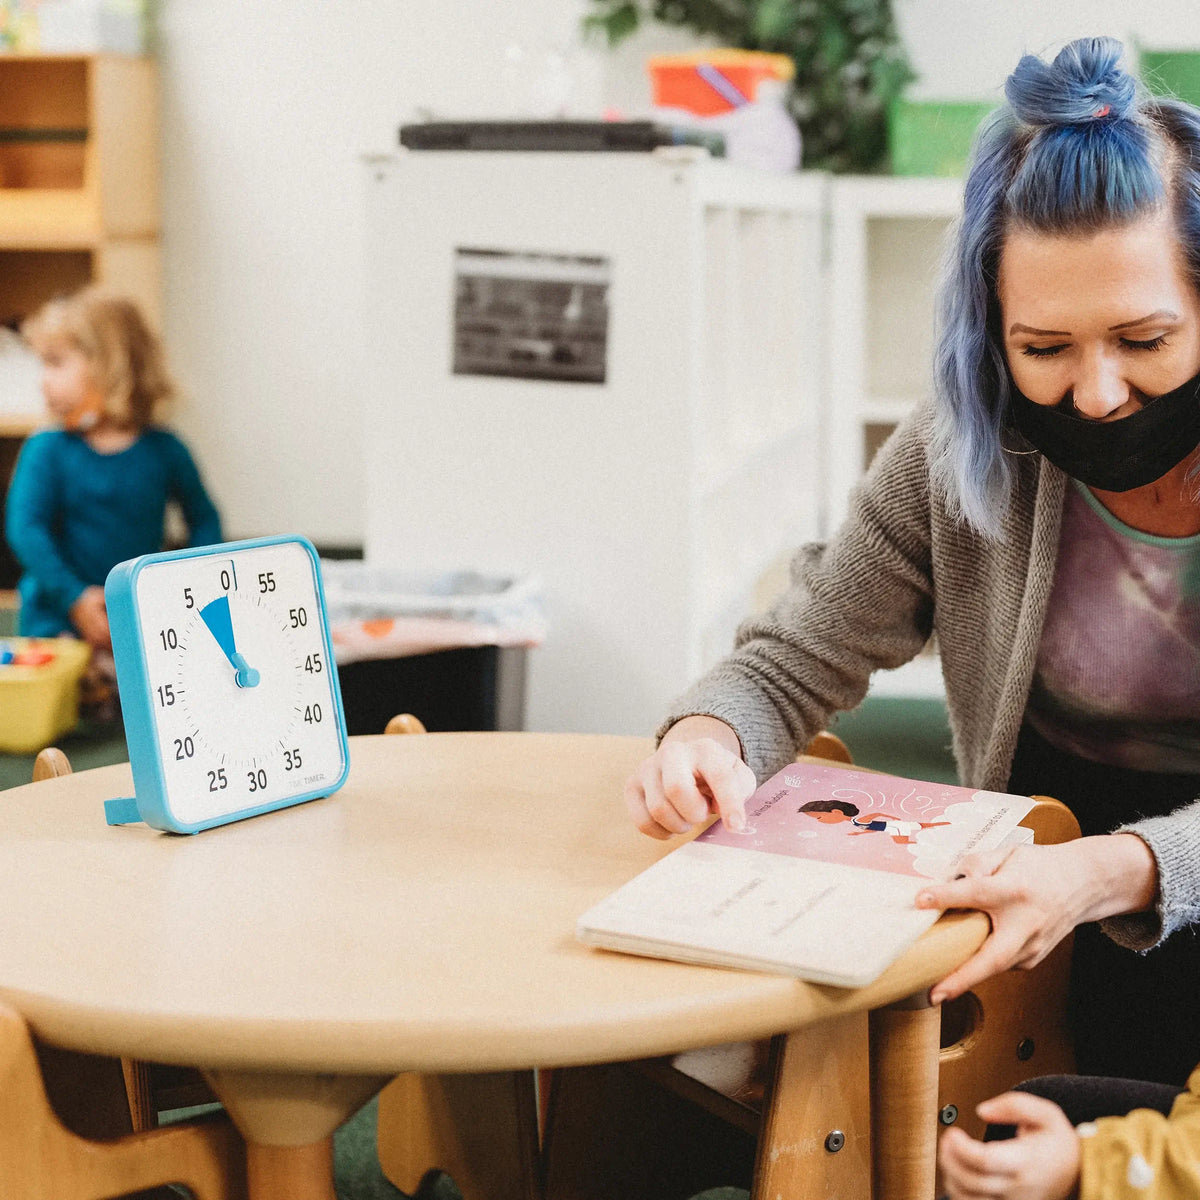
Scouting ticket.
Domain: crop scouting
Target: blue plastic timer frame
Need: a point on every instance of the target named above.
(133, 683)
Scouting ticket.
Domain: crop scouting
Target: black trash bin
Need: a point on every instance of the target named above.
(449, 648)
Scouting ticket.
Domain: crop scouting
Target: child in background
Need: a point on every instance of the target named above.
(1070, 1149)
(94, 491)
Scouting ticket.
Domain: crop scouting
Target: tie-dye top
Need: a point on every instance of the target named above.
(1118, 669)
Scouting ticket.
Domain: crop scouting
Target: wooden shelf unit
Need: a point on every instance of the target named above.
(79, 195)
(79, 169)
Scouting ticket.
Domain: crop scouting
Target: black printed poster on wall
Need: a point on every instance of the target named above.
(531, 316)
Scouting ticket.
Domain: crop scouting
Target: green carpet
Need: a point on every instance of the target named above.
(902, 737)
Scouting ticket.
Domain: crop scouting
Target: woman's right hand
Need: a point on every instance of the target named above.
(696, 770)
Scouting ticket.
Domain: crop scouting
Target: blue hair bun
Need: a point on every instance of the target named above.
(1084, 83)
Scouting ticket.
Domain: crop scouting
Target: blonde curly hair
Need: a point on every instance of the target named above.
(126, 356)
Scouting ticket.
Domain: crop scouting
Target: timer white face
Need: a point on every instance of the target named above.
(236, 680)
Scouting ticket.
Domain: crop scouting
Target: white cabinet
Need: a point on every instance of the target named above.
(640, 426)
(887, 237)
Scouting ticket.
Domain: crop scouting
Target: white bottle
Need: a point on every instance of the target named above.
(761, 134)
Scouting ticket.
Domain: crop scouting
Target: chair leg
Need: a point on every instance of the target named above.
(42, 1160)
(815, 1139)
(482, 1130)
(143, 1113)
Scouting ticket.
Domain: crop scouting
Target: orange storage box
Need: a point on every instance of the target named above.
(711, 82)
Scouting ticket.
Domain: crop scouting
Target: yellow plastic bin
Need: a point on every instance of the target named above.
(40, 703)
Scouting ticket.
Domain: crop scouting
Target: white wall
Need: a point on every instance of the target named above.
(965, 48)
(267, 108)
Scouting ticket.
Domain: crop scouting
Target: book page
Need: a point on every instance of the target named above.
(881, 822)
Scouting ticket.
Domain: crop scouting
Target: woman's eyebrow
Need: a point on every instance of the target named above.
(1019, 328)
(1159, 315)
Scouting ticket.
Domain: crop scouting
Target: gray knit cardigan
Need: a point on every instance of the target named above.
(900, 568)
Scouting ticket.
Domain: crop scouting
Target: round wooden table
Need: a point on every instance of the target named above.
(422, 919)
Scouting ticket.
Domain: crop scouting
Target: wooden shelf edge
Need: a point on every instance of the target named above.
(49, 219)
(16, 426)
(59, 56)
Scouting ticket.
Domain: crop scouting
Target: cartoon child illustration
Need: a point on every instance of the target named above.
(833, 812)
(902, 832)
(830, 812)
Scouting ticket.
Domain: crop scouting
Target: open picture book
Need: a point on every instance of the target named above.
(820, 884)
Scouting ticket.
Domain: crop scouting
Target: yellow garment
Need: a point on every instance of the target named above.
(1144, 1156)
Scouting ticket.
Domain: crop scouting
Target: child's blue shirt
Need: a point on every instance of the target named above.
(72, 514)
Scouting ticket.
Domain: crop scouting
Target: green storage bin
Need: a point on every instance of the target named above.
(933, 137)
(1171, 73)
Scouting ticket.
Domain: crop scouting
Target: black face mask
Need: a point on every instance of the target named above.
(1115, 456)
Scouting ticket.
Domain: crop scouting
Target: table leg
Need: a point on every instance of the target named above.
(815, 1138)
(904, 1098)
(290, 1172)
(288, 1122)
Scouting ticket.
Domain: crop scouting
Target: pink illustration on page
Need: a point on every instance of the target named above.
(880, 822)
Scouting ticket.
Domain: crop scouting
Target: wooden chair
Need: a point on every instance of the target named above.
(659, 1131)
(40, 1159)
(100, 1097)
(481, 1130)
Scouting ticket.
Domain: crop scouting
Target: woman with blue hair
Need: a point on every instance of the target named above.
(1039, 514)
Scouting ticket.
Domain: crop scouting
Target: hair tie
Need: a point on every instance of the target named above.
(1103, 111)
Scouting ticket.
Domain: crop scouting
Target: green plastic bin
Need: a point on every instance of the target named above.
(1171, 73)
(933, 137)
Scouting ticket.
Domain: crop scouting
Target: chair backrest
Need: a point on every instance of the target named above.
(50, 764)
(1014, 1025)
(829, 745)
(405, 723)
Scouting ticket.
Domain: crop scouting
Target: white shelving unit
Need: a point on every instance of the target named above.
(648, 504)
(886, 240)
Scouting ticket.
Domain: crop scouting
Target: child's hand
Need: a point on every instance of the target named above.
(696, 770)
(1040, 1163)
(90, 617)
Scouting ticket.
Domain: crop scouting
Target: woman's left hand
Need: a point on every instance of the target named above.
(1036, 895)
